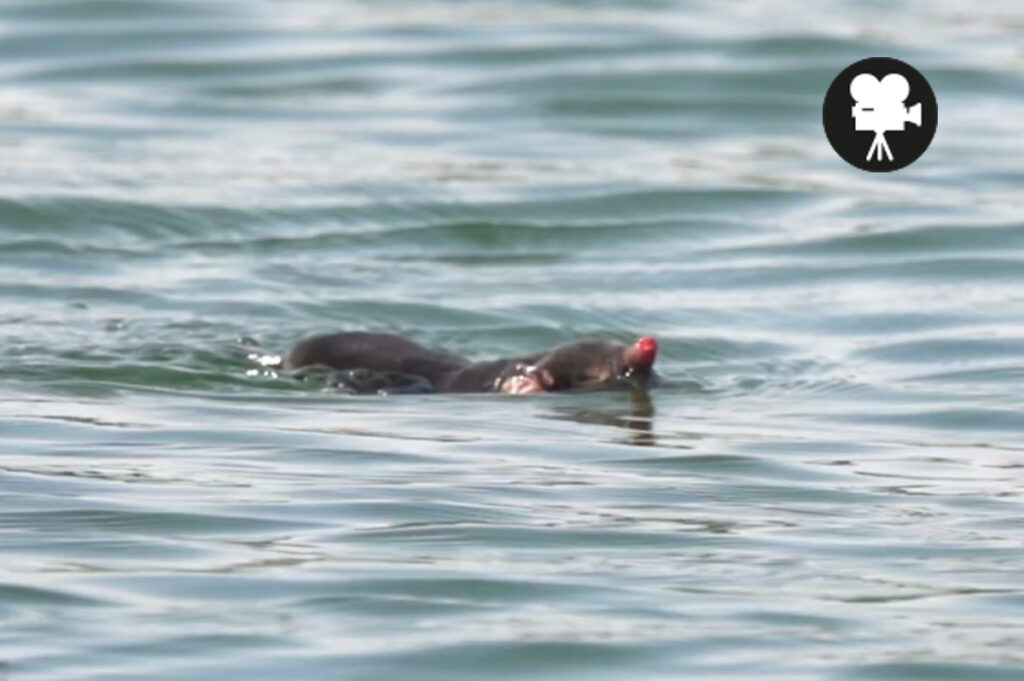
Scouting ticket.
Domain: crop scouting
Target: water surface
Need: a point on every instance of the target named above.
(829, 489)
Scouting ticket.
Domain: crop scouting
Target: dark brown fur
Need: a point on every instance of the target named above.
(574, 365)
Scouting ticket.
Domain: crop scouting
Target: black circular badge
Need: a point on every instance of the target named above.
(880, 114)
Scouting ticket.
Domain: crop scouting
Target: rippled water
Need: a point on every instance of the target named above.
(829, 488)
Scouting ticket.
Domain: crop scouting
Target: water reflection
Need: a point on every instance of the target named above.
(635, 417)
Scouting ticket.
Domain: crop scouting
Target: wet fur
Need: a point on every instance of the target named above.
(574, 365)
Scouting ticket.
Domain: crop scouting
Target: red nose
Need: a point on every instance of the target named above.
(642, 353)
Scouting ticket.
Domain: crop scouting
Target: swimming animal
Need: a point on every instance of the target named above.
(391, 358)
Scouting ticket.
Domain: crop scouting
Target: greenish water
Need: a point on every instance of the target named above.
(830, 488)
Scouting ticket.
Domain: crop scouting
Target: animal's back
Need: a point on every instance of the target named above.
(375, 351)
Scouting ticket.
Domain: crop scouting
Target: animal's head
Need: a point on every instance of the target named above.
(584, 364)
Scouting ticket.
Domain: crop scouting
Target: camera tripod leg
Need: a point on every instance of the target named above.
(879, 147)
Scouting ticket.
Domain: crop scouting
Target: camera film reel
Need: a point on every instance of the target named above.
(880, 114)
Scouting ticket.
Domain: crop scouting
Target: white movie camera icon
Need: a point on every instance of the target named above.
(880, 108)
